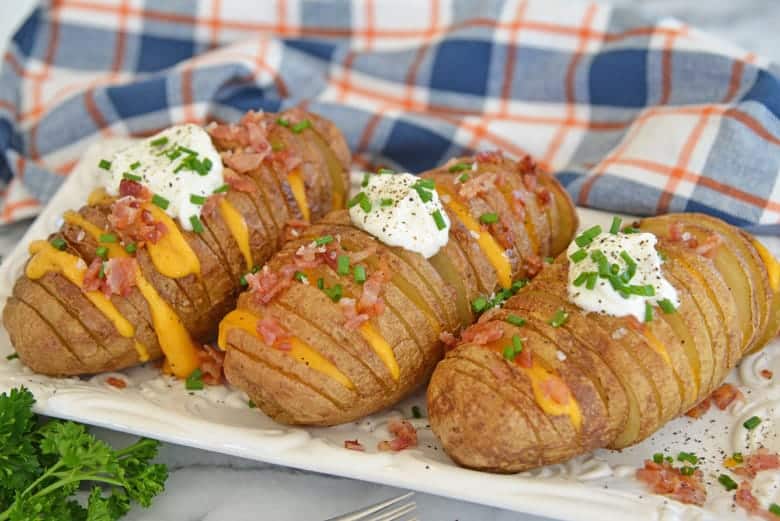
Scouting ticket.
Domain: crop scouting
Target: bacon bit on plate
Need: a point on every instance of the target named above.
(482, 333)
(354, 445)
(556, 389)
(274, 334)
(266, 284)
(210, 361)
(698, 410)
(725, 395)
(405, 436)
(766, 373)
(490, 156)
(113, 381)
(128, 188)
(448, 339)
(710, 246)
(533, 265)
(237, 181)
(353, 319)
(755, 463)
(664, 479)
(744, 498)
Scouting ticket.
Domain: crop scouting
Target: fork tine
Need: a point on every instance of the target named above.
(361, 515)
(396, 513)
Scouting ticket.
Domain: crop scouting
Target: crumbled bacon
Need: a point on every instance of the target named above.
(354, 445)
(293, 228)
(518, 204)
(531, 181)
(710, 246)
(482, 333)
(125, 212)
(526, 165)
(119, 276)
(664, 479)
(274, 334)
(127, 215)
(266, 284)
(543, 195)
(285, 160)
(250, 133)
(724, 395)
(92, 280)
(755, 463)
(477, 185)
(237, 181)
(533, 265)
(128, 188)
(502, 232)
(359, 256)
(210, 206)
(404, 436)
(766, 373)
(210, 361)
(699, 409)
(113, 381)
(744, 498)
(490, 156)
(354, 319)
(556, 389)
(370, 301)
(243, 162)
(676, 231)
(524, 359)
(448, 339)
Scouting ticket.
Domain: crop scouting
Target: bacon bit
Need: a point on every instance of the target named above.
(293, 228)
(119, 276)
(725, 395)
(533, 265)
(353, 319)
(239, 182)
(266, 284)
(744, 497)
(370, 301)
(526, 165)
(448, 339)
(285, 160)
(477, 185)
(634, 324)
(128, 188)
(669, 481)
(710, 246)
(359, 256)
(482, 333)
(531, 181)
(556, 389)
(699, 409)
(755, 463)
(92, 281)
(211, 361)
(354, 445)
(543, 196)
(490, 156)
(518, 204)
(113, 381)
(243, 162)
(766, 373)
(128, 216)
(274, 334)
(124, 212)
(524, 359)
(676, 231)
(251, 132)
(502, 232)
(405, 436)
(210, 206)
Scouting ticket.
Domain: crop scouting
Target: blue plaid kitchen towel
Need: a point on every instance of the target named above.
(633, 115)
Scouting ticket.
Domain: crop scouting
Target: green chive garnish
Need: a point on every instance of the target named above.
(102, 252)
(131, 247)
(751, 423)
(320, 283)
(587, 236)
(509, 353)
(582, 278)
(335, 293)
(386, 202)
(658, 458)
(197, 225)
(135, 165)
(282, 122)
(160, 141)
(631, 229)
(416, 413)
(592, 279)
(365, 204)
(463, 178)
(460, 167)
(360, 196)
(648, 312)
(384, 171)
(131, 177)
(366, 177)
(104, 164)
(488, 218)
(277, 147)
(615, 228)
(300, 277)
(222, 189)
(107, 237)
(667, 306)
(255, 268)
(578, 255)
(342, 265)
(688, 457)
(428, 184)
(300, 127)
(439, 220)
(194, 381)
(160, 201)
(515, 320)
(728, 483)
(251, 404)
(197, 199)
(322, 241)
(243, 281)
(479, 304)
(737, 457)
(687, 471)
(12, 356)
(774, 508)
(360, 274)
(559, 318)
(102, 271)
(59, 243)
(549, 260)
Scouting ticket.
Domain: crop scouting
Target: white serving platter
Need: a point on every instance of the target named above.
(596, 487)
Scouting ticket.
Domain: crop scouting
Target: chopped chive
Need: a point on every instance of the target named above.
(160, 141)
(774, 508)
(578, 255)
(425, 195)
(627, 258)
(365, 204)
(251, 404)
(360, 274)
(687, 471)
(416, 412)
(439, 220)
(173, 154)
(615, 228)
(587, 236)
(360, 196)
(366, 177)
(428, 184)
(12, 356)
(194, 381)
(101, 251)
(383, 171)
(751, 423)
(135, 165)
(131, 247)
(488, 218)
(320, 283)
(300, 127)
(102, 271)
(631, 229)
(342, 265)
(460, 167)
(197, 225)
(255, 268)
(648, 312)
(728, 483)
(559, 318)
(282, 122)
(197, 199)
(479, 304)
(335, 293)
(737, 457)
(515, 320)
(614, 269)
(107, 237)
(323, 240)
(688, 457)
(463, 178)
(509, 353)
(131, 177)
(59, 243)
(105, 164)
(517, 343)
(591, 283)
(277, 147)
(549, 260)
(669, 459)
(160, 201)
(300, 277)
(643, 291)
(222, 189)
(667, 306)
(582, 278)
(386, 202)
(518, 285)
(243, 281)
(188, 151)
(658, 458)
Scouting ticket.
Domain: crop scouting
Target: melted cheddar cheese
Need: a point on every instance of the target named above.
(772, 266)
(380, 346)
(537, 375)
(238, 229)
(490, 247)
(171, 255)
(76, 219)
(247, 321)
(299, 192)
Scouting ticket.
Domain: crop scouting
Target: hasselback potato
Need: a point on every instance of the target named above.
(585, 380)
(122, 282)
(339, 324)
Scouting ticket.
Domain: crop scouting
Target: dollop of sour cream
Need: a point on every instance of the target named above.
(401, 210)
(620, 289)
(179, 165)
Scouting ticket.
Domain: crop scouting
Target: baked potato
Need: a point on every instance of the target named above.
(339, 325)
(586, 380)
(108, 290)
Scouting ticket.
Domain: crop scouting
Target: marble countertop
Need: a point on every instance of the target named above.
(207, 486)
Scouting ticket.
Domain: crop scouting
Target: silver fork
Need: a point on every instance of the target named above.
(391, 510)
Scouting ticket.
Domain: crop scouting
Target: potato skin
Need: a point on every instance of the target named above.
(502, 434)
(57, 331)
(423, 299)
